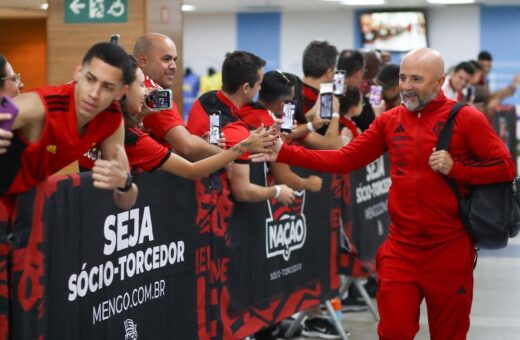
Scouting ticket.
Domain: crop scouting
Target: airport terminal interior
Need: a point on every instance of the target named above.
(44, 41)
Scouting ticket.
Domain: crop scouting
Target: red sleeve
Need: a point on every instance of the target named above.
(235, 133)
(494, 163)
(146, 153)
(363, 150)
(198, 120)
(267, 120)
(161, 122)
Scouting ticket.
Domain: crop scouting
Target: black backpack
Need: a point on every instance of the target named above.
(491, 212)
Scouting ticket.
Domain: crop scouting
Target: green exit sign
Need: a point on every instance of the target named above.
(95, 11)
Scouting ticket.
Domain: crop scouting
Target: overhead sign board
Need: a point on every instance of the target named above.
(96, 11)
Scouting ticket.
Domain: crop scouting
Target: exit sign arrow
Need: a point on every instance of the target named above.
(76, 6)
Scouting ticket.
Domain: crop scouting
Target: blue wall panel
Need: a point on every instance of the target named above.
(500, 35)
(259, 33)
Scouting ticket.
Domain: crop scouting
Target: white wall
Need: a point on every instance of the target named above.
(453, 30)
(296, 32)
(207, 39)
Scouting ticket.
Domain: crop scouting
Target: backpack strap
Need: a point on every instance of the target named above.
(447, 130)
(444, 142)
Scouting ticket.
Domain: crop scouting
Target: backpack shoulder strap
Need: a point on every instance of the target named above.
(447, 130)
(444, 142)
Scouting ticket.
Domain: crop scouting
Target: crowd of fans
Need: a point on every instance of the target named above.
(100, 120)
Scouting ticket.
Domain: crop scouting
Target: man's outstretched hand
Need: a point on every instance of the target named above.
(267, 156)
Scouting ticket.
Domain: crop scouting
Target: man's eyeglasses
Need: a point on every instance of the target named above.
(16, 78)
(287, 81)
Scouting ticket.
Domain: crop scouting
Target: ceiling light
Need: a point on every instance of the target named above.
(188, 8)
(450, 2)
(44, 6)
(363, 2)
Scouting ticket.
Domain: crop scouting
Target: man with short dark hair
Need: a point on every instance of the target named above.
(354, 64)
(277, 88)
(57, 124)
(485, 59)
(242, 74)
(157, 56)
(318, 63)
(456, 82)
(478, 72)
(388, 79)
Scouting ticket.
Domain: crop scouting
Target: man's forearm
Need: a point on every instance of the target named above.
(202, 149)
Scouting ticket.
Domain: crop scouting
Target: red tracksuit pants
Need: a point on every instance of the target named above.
(443, 275)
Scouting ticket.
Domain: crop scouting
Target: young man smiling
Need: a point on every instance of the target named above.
(57, 124)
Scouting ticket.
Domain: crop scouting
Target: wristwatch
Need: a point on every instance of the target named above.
(128, 184)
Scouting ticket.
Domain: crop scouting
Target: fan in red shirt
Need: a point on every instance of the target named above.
(157, 56)
(147, 154)
(427, 240)
(277, 87)
(242, 74)
(319, 63)
(57, 124)
(350, 105)
(353, 63)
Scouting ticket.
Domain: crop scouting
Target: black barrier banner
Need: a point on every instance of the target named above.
(6, 212)
(368, 210)
(84, 269)
(279, 247)
(504, 122)
(264, 261)
(183, 263)
(363, 196)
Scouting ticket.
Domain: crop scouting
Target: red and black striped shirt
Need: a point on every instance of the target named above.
(59, 143)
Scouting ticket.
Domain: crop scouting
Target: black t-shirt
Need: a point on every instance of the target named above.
(366, 117)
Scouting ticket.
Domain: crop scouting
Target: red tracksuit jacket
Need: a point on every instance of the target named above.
(422, 206)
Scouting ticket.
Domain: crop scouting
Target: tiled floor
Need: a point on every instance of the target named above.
(496, 304)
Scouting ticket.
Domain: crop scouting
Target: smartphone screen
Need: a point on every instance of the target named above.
(159, 100)
(339, 82)
(288, 116)
(326, 106)
(375, 94)
(326, 100)
(214, 127)
(8, 106)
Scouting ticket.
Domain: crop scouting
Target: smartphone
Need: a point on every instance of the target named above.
(114, 39)
(214, 126)
(8, 106)
(159, 100)
(326, 100)
(289, 107)
(339, 82)
(375, 94)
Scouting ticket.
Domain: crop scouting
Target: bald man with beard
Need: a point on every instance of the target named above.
(157, 56)
(428, 254)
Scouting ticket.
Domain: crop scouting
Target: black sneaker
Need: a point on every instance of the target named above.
(284, 326)
(265, 334)
(320, 327)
